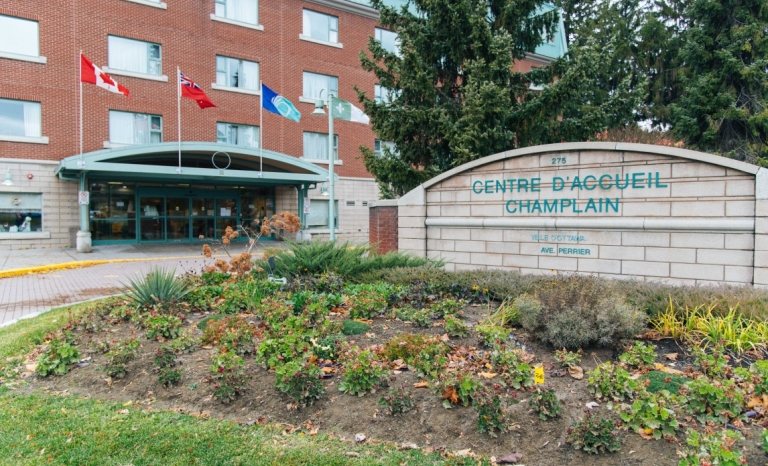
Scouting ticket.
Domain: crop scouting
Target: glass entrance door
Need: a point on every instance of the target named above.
(152, 218)
(202, 218)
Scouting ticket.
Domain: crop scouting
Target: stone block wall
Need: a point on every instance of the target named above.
(685, 219)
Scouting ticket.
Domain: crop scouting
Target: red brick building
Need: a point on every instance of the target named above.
(130, 146)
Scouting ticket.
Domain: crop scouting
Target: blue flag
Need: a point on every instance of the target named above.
(275, 103)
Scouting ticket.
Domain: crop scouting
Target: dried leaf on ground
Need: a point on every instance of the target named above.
(488, 375)
(671, 356)
(576, 372)
(510, 459)
(450, 394)
(421, 385)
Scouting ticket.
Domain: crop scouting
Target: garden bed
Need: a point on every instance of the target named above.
(325, 304)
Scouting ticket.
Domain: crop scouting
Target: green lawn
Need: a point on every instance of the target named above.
(47, 429)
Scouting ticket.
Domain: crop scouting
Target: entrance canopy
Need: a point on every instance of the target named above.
(205, 162)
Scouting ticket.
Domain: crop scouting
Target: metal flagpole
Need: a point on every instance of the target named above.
(178, 111)
(80, 67)
(261, 129)
(331, 160)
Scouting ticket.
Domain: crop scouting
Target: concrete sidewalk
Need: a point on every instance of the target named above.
(30, 294)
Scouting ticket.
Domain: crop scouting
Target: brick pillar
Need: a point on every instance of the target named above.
(382, 221)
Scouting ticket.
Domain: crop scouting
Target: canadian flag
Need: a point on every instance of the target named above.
(90, 73)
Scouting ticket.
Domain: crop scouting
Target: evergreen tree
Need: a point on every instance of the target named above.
(724, 56)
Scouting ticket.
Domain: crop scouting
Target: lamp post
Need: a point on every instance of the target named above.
(319, 111)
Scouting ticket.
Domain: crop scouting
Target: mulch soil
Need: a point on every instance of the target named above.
(429, 426)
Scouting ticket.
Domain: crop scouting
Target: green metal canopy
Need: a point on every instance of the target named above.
(205, 162)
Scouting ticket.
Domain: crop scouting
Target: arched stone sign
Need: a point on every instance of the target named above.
(611, 209)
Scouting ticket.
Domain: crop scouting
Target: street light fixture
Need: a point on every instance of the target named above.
(8, 178)
(319, 103)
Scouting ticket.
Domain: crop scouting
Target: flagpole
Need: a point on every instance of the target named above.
(261, 129)
(178, 112)
(80, 68)
(331, 163)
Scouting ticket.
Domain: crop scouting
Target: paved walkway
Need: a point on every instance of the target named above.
(28, 295)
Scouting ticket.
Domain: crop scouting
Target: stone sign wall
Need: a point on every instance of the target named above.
(611, 209)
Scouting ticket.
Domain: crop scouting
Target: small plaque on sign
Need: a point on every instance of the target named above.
(538, 375)
(83, 197)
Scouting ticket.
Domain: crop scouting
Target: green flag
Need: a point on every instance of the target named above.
(344, 110)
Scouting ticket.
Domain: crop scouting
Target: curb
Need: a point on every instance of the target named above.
(38, 314)
(80, 264)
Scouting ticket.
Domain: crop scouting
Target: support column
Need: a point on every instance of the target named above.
(760, 270)
(83, 242)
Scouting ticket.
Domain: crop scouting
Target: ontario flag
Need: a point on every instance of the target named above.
(190, 90)
(92, 74)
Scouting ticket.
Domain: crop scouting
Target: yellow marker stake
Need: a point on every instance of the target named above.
(538, 375)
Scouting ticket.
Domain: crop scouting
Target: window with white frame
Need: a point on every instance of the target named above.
(239, 135)
(318, 213)
(320, 26)
(19, 36)
(314, 83)
(379, 147)
(388, 40)
(233, 72)
(316, 146)
(135, 128)
(245, 11)
(382, 94)
(135, 55)
(20, 118)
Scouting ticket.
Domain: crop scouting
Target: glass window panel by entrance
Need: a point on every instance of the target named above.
(178, 228)
(320, 26)
(318, 216)
(315, 82)
(316, 146)
(246, 11)
(153, 229)
(21, 212)
(240, 135)
(19, 36)
(226, 207)
(177, 207)
(152, 206)
(20, 118)
(113, 230)
(134, 55)
(202, 207)
(202, 228)
(135, 128)
(256, 204)
(222, 224)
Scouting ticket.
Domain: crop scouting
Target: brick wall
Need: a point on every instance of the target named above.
(383, 227)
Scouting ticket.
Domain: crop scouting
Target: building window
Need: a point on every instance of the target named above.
(320, 26)
(318, 214)
(134, 55)
(314, 83)
(135, 128)
(379, 147)
(20, 118)
(388, 40)
(232, 72)
(246, 11)
(382, 94)
(239, 135)
(19, 36)
(113, 211)
(316, 146)
(21, 212)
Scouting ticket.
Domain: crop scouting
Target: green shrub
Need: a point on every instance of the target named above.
(398, 401)
(714, 364)
(458, 388)
(578, 311)
(347, 261)
(760, 371)
(328, 347)
(567, 358)
(353, 327)
(658, 380)
(544, 402)
(244, 295)
(507, 314)
(654, 412)
(594, 435)
(493, 412)
(228, 374)
(300, 381)
(446, 307)
(118, 356)
(716, 401)
(232, 333)
(365, 302)
(425, 353)
(57, 358)
(515, 373)
(202, 298)
(612, 382)
(716, 448)
(640, 356)
(421, 318)
(159, 287)
(164, 362)
(361, 372)
(456, 327)
(491, 335)
(162, 326)
(185, 343)
(214, 278)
